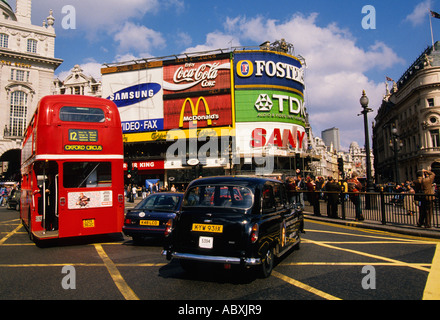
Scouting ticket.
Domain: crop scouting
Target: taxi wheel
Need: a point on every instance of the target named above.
(267, 263)
(188, 265)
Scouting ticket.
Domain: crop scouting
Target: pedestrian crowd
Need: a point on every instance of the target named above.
(416, 196)
(132, 192)
(7, 191)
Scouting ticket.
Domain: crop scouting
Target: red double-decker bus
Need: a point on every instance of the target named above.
(72, 169)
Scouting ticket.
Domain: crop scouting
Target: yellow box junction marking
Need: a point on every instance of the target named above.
(123, 287)
(432, 288)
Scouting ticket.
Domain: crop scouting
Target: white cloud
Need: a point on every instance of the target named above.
(97, 15)
(183, 39)
(216, 40)
(138, 38)
(92, 68)
(420, 13)
(336, 67)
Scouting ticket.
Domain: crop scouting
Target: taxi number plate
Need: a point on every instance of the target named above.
(89, 223)
(206, 242)
(149, 222)
(207, 228)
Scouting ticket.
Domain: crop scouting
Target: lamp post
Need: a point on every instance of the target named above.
(365, 110)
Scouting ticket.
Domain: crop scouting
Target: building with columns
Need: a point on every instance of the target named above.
(406, 134)
(27, 66)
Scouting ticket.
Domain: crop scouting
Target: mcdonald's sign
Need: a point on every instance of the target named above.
(200, 112)
(195, 117)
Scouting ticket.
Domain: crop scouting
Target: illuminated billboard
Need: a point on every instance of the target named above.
(269, 106)
(138, 94)
(270, 113)
(266, 68)
(197, 92)
(198, 112)
(276, 138)
(196, 74)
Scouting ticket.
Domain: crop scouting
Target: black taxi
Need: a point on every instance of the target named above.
(245, 221)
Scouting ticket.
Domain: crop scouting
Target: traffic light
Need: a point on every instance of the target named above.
(129, 168)
(341, 165)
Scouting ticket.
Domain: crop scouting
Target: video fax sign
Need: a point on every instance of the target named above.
(268, 68)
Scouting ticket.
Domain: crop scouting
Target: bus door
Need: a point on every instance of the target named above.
(46, 213)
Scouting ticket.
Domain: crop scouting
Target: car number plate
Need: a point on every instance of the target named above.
(206, 242)
(89, 223)
(207, 228)
(149, 222)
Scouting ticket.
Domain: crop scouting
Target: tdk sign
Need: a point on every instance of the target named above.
(134, 94)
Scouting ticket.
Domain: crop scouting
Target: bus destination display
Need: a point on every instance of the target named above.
(79, 135)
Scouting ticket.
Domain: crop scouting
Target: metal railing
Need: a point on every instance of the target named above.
(383, 207)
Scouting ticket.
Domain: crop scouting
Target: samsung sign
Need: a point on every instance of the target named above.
(134, 94)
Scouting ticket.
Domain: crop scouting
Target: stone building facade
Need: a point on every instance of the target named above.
(406, 134)
(27, 66)
(78, 83)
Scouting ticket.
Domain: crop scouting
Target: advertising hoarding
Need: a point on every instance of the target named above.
(198, 112)
(265, 68)
(269, 103)
(268, 137)
(146, 165)
(197, 92)
(139, 97)
(269, 106)
(195, 76)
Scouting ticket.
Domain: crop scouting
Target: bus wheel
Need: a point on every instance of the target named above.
(29, 226)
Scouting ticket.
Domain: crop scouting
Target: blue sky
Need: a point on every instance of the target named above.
(342, 57)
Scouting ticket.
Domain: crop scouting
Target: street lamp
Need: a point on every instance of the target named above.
(365, 110)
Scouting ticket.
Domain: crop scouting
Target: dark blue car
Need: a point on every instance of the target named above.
(150, 216)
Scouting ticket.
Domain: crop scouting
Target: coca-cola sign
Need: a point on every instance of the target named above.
(197, 76)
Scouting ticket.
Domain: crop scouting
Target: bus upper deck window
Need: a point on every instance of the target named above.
(82, 114)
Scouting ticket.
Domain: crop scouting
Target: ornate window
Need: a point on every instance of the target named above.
(20, 75)
(4, 40)
(18, 113)
(32, 46)
(435, 138)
